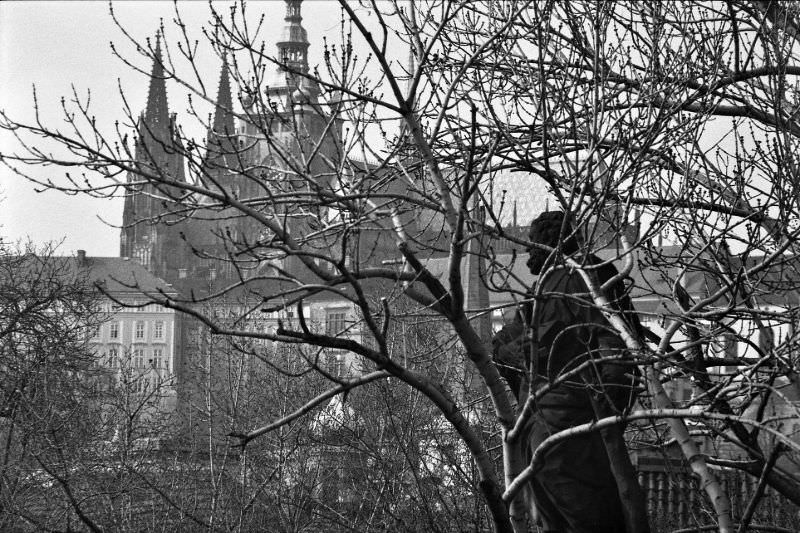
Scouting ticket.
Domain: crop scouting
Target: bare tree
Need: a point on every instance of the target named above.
(47, 309)
(666, 131)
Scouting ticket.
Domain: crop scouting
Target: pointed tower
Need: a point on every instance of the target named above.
(293, 46)
(289, 87)
(297, 122)
(221, 161)
(154, 131)
(147, 235)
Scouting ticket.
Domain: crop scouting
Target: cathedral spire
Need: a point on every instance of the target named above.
(221, 145)
(223, 116)
(159, 152)
(156, 122)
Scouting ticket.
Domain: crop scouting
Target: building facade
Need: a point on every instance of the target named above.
(138, 345)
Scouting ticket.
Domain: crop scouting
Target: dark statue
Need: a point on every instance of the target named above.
(574, 489)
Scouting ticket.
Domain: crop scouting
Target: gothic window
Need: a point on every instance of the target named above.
(142, 255)
(113, 331)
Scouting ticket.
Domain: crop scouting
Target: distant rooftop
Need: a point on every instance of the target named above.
(117, 275)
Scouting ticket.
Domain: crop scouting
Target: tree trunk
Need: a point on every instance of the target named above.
(630, 493)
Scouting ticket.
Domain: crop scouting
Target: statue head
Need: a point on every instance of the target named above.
(546, 229)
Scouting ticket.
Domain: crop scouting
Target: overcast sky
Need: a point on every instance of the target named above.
(56, 44)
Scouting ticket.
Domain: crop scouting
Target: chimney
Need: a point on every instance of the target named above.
(81, 258)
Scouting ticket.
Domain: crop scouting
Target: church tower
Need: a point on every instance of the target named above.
(148, 234)
(287, 137)
(293, 54)
(279, 145)
(289, 118)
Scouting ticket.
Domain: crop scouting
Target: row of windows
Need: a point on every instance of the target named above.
(140, 330)
(112, 307)
(138, 358)
(149, 308)
(336, 323)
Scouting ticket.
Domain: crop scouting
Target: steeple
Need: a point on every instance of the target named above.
(159, 152)
(221, 147)
(293, 46)
(156, 123)
(223, 117)
(289, 85)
